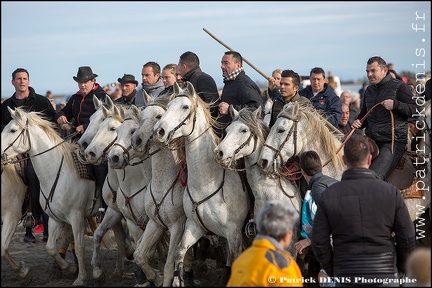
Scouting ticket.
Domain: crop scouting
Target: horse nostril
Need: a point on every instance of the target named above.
(115, 159)
(91, 155)
(160, 132)
(220, 154)
(84, 145)
(138, 141)
(263, 163)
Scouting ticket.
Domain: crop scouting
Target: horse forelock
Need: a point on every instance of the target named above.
(256, 125)
(320, 133)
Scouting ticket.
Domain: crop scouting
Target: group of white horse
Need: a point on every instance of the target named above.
(146, 148)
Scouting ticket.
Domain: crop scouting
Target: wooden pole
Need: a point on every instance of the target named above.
(244, 59)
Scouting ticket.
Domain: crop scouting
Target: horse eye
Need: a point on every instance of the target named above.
(113, 129)
(185, 107)
(244, 130)
(158, 116)
(13, 130)
(132, 131)
(281, 130)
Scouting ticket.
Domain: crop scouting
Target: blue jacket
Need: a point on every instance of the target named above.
(326, 101)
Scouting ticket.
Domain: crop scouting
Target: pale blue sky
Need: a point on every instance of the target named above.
(52, 39)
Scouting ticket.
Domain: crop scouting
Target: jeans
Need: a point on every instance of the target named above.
(385, 162)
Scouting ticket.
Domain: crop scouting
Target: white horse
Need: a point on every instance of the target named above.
(164, 196)
(64, 195)
(299, 128)
(132, 182)
(244, 138)
(214, 200)
(13, 192)
(113, 217)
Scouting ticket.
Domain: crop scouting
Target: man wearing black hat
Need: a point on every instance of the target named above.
(80, 107)
(128, 85)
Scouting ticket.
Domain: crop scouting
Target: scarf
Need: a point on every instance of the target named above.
(231, 76)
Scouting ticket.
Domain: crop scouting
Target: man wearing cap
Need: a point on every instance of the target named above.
(80, 107)
(128, 86)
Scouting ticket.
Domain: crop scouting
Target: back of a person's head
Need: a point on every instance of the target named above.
(356, 150)
(310, 162)
(418, 267)
(276, 218)
(190, 59)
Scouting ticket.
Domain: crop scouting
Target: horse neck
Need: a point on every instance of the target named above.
(47, 161)
(199, 148)
(163, 166)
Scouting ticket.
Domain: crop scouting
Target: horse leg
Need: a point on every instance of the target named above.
(10, 222)
(234, 250)
(144, 251)
(78, 233)
(112, 220)
(175, 237)
(190, 236)
(55, 229)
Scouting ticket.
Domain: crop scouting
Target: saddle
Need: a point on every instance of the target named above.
(403, 177)
(84, 170)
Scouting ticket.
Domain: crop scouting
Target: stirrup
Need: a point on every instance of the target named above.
(100, 215)
(29, 221)
(250, 229)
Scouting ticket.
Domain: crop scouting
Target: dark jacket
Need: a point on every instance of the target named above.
(361, 212)
(130, 99)
(326, 101)
(34, 102)
(279, 102)
(378, 123)
(80, 107)
(240, 92)
(318, 183)
(204, 84)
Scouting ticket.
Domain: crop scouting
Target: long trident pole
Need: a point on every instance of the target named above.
(244, 59)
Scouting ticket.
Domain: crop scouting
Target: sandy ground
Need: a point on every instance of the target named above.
(44, 272)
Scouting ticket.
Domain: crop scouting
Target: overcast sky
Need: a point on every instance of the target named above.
(52, 39)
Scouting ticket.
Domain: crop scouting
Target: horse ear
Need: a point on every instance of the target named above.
(177, 89)
(135, 110)
(147, 98)
(109, 102)
(191, 89)
(295, 109)
(258, 112)
(232, 111)
(12, 112)
(105, 111)
(96, 102)
(118, 111)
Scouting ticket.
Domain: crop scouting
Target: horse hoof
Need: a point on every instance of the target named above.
(145, 284)
(80, 283)
(24, 270)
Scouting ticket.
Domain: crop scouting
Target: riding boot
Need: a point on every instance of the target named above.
(201, 255)
(34, 188)
(45, 225)
(29, 238)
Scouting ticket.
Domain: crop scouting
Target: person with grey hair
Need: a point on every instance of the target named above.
(266, 262)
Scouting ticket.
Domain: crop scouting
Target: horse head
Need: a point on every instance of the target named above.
(14, 137)
(244, 136)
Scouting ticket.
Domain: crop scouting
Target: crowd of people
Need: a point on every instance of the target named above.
(356, 227)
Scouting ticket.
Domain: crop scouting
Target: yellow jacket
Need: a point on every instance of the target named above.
(265, 264)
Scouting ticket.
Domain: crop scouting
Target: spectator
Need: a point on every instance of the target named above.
(322, 97)
(151, 80)
(50, 97)
(362, 226)
(397, 106)
(26, 97)
(311, 168)
(117, 94)
(168, 78)
(347, 98)
(418, 267)
(239, 90)
(129, 94)
(273, 83)
(361, 92)
(267, 259)
(287, 92)
(179, 78)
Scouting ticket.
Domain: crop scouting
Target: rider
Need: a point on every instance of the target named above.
(397, 103)
(80, 107)
(26, 97)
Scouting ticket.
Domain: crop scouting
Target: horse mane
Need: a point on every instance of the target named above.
(255, 124)
(38, 119)
(15, 178)
(316, 129)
